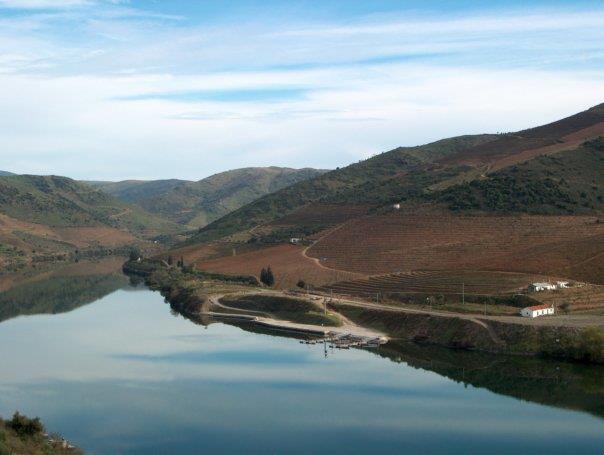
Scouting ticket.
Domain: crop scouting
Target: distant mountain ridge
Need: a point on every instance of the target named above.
(195, 204)
(45, 218)
(413, 174)
(5, 173)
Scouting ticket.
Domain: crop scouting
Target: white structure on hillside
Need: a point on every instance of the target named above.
(562, 284)
(538, 287)
(396, 206)
(295, 240)
(537, 310)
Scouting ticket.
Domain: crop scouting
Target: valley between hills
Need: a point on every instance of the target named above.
(437, 243)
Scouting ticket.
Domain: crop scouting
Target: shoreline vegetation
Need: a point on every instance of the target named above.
(192, 292)
(27, 436)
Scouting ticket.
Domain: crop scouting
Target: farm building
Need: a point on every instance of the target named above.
(538, 287)
(295, 240)
(536, 311)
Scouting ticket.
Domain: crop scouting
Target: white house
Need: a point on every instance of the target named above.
(562, 284)
(295, 240)
(537, 310)
(396, 206)
(538, 287)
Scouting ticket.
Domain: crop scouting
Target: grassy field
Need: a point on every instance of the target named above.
(289, 309)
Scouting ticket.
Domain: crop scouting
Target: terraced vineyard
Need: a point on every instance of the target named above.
(567, 246)
(443, 282)
(321, 215)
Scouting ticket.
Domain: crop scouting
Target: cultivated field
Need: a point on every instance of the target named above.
(444, 282)
(317, 214)
(26, 238)
(580, 298)
(288, 263)
(564, 246)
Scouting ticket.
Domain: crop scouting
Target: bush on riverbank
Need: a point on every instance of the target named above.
(25, 436)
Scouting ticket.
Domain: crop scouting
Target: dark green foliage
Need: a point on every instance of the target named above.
(24, 426)
(134, 254)
(301, 284)
(266, 277)
(565, 183)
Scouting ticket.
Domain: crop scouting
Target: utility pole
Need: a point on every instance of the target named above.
(463, 293)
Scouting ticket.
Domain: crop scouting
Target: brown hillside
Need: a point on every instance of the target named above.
(570, 246)
(516, 147)
(288, 263)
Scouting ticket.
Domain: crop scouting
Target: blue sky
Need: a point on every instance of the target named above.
(110, 89)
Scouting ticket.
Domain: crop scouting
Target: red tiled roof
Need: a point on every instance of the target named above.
(545, 306)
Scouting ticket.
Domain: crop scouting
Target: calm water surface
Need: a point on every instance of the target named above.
(124, 374)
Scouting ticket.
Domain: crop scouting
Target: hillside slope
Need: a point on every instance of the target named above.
(48, 217)
(5, 173)
(527, 202)
(133, 191)
(412, 173)
(195, 204)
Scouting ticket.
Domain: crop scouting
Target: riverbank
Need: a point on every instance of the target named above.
(22, 435)
(189, 292)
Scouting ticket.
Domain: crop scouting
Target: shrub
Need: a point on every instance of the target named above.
(24, 426)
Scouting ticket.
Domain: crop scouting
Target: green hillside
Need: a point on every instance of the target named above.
(5, 173)
(570, 182)
(403, 174)
(196, 204)
(57, 294)
(62, 202)
(133, 191)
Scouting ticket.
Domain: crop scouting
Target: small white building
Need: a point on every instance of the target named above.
(396, 206)
(562, 284)
(295, 240)
(538, 287)
(537, 310)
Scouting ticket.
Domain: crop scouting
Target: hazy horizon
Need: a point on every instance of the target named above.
(115, 90)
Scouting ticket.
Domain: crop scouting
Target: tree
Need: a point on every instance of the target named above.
(266, 276)
(25, 426)
(270, 279)
(170, 260)
(134, 254)
(301, 284)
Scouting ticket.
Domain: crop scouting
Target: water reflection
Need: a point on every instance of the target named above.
(122, 375)
(59, 289)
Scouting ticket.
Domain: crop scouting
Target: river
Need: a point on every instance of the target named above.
(119, 372)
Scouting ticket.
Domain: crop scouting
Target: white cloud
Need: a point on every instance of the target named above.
(68, 78)
(79, 125)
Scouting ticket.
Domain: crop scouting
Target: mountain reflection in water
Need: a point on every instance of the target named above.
(124, 374)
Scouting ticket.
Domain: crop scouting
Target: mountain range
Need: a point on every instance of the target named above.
(195, 204)
(528, 202)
